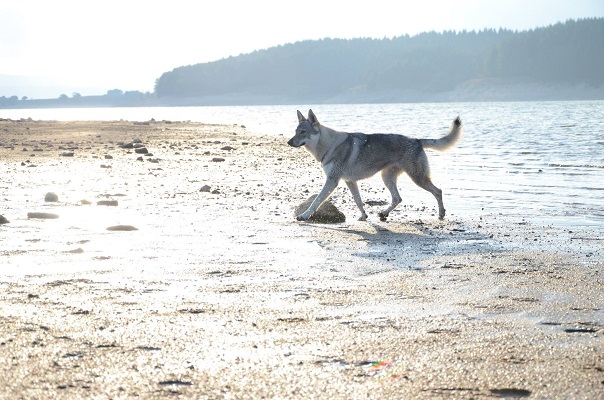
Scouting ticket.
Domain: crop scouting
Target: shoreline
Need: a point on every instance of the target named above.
(474, 90)
(222, 294)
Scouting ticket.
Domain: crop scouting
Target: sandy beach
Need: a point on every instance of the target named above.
(215, 291)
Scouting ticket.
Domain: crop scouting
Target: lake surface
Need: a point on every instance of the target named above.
(538, 162)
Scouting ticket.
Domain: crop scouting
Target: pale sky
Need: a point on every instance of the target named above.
(94, 46)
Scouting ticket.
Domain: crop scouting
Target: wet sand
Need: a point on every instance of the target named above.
(220, 293)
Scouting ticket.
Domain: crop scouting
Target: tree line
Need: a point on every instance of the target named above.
(113, 97)
(565, 53)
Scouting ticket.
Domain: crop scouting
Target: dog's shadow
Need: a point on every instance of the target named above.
(407, 244)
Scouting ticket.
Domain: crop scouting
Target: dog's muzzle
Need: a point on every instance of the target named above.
(292, 143)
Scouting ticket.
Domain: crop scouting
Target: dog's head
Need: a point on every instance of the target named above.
(307, 130)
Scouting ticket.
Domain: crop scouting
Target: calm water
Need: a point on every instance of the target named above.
(535, 161)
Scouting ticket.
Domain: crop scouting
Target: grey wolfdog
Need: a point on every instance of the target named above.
(355, 156)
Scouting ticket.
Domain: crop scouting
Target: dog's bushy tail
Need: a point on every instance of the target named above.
(444, 142)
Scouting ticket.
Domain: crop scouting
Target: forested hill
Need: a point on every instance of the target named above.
(428, 66)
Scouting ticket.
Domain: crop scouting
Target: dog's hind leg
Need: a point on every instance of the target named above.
(389, 176)
(354, 189)
(425, 183)
(420, 174)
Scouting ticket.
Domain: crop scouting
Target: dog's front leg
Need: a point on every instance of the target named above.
(330, 185)
(354, 189)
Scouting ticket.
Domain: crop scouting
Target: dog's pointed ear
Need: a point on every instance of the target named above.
(300, 117)
(312, 117)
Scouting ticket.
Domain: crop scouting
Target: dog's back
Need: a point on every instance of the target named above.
(363, 155)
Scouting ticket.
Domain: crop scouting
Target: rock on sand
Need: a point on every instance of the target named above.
(122, 228)
(51, 197)
(326, 214)
(109, 203)
(42, 215)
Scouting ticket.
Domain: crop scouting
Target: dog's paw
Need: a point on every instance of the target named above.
(363, 217)
(383, 217)
(302, 217)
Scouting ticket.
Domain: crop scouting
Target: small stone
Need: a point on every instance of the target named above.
(85, 202)
(108, 157)
(67, 154)
(205, 188)
(41, 215)
(51, 197)
(217, 159)
(227, 148)
(3, 220)
(110, 203)
(123, 228)
(141, 150)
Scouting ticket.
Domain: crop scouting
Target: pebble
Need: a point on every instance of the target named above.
(79, 250)
(3, 220)
(51, 197)
(42, 215)
(110, 203)
(123, 228)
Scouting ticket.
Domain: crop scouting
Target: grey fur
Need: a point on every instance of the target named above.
(355, 156)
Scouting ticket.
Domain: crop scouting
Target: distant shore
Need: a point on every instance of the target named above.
(220, 293)
(477, 90)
